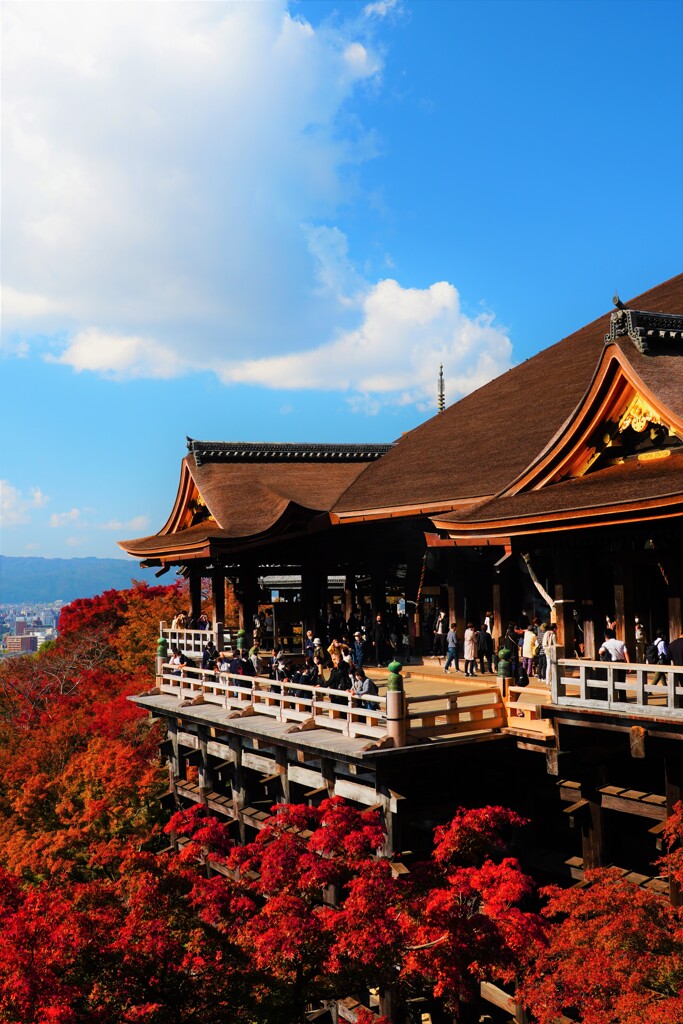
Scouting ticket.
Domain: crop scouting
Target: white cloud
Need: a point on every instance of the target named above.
(15, 507)
(136, 523)
(161, 164)
(395, 353)
(171, 175)
(120, 356)
(38, 498)
(381, 8)
(75, 517)
(71, 518)
(18, 306)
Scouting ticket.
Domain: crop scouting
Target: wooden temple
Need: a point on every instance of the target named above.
(556, 490)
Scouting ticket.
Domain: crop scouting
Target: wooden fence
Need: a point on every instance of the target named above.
(454, 713)
(619, 687)
(317, 706)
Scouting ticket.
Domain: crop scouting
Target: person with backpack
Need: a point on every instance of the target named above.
(657, 653)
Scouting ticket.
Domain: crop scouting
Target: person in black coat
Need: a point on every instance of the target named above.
(379, 635)
(485, 650)
(339, 679)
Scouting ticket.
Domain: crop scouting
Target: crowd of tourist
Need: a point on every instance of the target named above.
(337, 661)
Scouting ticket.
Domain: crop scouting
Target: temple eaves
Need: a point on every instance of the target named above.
(265, 451)
(644, 328)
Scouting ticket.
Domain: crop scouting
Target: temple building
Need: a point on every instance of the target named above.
(567, 469)
(555, 491)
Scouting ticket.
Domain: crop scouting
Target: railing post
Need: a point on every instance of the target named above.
(554, 674)
(640, 686)
(396, 705)
(611, 694)
(162, 653)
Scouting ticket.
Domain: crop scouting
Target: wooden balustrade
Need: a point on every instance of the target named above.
(619, 687)
(523, 706)
(454, 713)
(323, 707)
(193, 641)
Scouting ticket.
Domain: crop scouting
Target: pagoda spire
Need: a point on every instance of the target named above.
(441, 395)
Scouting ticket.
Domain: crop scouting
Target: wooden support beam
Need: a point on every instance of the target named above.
(592, 833)
(631, 801)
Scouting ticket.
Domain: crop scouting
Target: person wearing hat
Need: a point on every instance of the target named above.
(318, 648)
(358, 649)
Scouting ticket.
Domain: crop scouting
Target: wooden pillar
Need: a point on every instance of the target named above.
(624, 609)
(174, 756)
(313, 595)
(281, 759)
(248, 599)
(589, 646)
(564, 622)
(498, 628)
(238, 785)
(205, 772)
(379, 591)
(195, 593)
(349, 596)
(673, 783)
(592, 833)
(218, 596)
(674, 600)
(675, 618)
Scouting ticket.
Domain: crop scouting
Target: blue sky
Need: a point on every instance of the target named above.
(272, 221)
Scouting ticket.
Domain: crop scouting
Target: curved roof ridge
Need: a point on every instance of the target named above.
(483, 442)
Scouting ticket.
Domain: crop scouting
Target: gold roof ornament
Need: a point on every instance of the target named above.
(638, 416)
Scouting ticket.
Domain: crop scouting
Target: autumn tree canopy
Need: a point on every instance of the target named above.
(113, 915)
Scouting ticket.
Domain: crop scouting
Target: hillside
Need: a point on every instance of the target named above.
(37, 580)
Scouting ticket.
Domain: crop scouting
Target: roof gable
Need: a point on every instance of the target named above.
(617, 407)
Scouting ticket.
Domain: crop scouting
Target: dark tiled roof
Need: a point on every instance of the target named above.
(193, 537)
(248, 498)
(259, 451)
(633, 481)
(483, 442)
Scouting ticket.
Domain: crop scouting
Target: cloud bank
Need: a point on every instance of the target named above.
(171, 176)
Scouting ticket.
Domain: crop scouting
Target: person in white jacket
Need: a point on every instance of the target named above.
(549, 645)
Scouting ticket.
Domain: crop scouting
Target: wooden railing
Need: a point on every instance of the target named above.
(524, 705)
(321, 706)
(454, 713)
(627, 689)
(193, 641)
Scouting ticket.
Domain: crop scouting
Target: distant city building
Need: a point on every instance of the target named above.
(20, 627)
(21, 644)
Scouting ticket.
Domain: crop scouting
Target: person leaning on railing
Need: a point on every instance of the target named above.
(223, 662)
(615, 650)
(339, 679)
(209, 656)
(362, 686)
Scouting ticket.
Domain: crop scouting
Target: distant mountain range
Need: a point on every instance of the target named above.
(44, 580)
